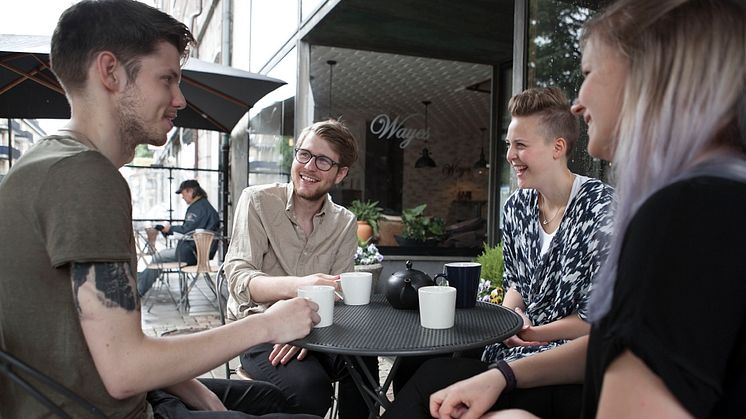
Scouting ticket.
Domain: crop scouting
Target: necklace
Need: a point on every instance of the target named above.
(548, 220)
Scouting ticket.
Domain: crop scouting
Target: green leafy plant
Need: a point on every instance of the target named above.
(418, 226)
(286, 152)
(491, 284)
(367, 211)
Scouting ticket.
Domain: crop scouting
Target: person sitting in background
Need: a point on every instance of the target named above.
(199, 215)
(556, 227)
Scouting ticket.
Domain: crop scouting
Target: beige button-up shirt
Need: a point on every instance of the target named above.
(268, 241)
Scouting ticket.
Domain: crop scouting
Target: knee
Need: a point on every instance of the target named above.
(311, 396)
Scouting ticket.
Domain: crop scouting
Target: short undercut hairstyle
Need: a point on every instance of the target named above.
(553, 109)
(337, 135)
(127, 28)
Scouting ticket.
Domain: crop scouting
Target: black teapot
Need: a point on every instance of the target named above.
(402, 286)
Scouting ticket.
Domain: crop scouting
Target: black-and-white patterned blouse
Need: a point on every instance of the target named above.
(556, 284)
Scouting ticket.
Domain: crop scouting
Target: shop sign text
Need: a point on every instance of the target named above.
(387, 129)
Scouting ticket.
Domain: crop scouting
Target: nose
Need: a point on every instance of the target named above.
(311, 164)
(510, 154)
(179, 101)
(577, 108)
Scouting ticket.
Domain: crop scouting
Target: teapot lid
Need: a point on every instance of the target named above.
(411, 273)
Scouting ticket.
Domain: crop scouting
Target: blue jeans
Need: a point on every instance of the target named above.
(147, 278)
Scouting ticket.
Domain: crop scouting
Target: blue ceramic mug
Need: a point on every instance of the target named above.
(464, 276)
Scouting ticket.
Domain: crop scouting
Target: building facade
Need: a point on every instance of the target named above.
(423, 84)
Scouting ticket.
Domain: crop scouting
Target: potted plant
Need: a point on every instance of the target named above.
(491, 282)
(368, 259)
(420, 229)
(368, 213)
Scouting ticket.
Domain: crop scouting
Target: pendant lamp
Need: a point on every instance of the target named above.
(331, 63)
(481, 165)
(425, 160)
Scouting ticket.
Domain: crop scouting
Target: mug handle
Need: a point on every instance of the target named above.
(443, 283)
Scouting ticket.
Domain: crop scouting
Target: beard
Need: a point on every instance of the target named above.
(314, 196)
(132, 130)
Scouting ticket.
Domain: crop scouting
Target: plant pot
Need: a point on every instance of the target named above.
(416, 243)
(375, 269)
(364, 231)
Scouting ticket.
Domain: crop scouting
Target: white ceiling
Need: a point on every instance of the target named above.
(370, 83)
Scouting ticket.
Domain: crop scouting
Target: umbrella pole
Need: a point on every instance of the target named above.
(225, 173)
(10, 144)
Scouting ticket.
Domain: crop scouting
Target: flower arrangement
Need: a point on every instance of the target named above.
(490, 285)
(367, 254)
(489, 293)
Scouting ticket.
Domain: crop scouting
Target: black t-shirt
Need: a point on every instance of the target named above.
(680, 298)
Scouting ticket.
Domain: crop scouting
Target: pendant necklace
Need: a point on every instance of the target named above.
(548, 220)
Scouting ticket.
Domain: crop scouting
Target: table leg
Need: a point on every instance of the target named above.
(374, 394)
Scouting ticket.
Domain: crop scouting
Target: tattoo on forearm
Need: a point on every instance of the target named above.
(112, 280)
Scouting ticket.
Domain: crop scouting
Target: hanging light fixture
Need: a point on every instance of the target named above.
(481, 165)
(331, 63)
(425, 160)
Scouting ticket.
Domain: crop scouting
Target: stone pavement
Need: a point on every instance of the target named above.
(160, 316)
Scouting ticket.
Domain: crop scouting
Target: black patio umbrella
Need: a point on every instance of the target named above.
(217, 96)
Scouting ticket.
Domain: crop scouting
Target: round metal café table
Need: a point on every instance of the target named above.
(378, 329)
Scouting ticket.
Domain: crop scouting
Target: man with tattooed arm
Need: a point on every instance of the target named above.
(68, 298)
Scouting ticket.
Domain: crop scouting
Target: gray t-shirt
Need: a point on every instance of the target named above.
(54, 205)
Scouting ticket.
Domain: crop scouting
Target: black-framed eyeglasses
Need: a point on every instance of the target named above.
(322, 163)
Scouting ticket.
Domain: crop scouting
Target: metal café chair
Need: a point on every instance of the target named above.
(10, 366)
(147, 248)
(203, 241)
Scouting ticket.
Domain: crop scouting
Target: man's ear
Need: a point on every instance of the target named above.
(341, 174)
(108, 70)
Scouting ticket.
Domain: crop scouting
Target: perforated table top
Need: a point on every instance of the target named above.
(378, 329)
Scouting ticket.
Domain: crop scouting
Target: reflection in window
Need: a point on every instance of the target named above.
(271, 128)
(554, 60)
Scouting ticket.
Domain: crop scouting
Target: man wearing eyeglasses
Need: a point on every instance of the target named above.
(286, 236)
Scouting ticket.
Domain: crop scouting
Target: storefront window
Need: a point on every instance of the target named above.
(271, 128)
(380, 97)
(554, 60)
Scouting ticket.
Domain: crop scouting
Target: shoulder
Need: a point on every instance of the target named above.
(266, 190)
(268, 193)
(701, 197)
(596, 189)
(87, 171)
(340, 213)
(520, 199)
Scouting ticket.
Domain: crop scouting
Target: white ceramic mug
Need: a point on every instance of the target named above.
(437, 307)
(356, 287)
(323, 295)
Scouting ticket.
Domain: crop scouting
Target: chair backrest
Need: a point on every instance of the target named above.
(152, 235)
(8, 366)
(203, 241)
